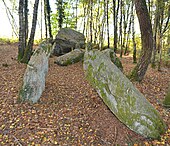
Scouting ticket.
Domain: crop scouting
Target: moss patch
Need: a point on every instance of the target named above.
(44, 47)
(70, 58)
(166, 101)
(122, 98)
(24, 92)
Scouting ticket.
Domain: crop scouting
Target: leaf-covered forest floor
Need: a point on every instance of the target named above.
(70, 112)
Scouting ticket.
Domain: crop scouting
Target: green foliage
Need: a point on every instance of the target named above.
(60, 11)
(8, 41)
(64, 16)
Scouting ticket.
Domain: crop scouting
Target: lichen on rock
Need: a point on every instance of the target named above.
(166, 101)
(70, 58)
(34, 77)
(122, 98)
(112, 55)
(67, 40)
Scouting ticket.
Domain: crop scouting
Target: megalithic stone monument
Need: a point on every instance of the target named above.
(34, 77)
(124, 100)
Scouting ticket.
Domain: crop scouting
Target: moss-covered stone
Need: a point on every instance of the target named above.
(25, 92)
(43, 47)
(70, 58)
(34, 77)
(122, 98)
(111, 54)
(166, 101)
(66, 40)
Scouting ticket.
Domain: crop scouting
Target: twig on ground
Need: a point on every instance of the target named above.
(116, 133)
(17, 140)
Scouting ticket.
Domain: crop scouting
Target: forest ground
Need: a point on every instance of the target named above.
(70, 112)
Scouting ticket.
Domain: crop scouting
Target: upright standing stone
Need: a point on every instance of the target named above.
(34, 77)
(166, 101)
(122, 98)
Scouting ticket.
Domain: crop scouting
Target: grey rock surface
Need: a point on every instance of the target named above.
(67, 40)
(34, 77)
(70, 58)
(112, 56)
(119, 94)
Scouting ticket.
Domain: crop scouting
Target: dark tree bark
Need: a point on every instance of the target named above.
(146, 38)
(45, 20)
(23, 28)
(26, 20)
(76, 14)
(102, 27)
(96, 23)
(84, 17)
(127, 25)
(29, 48)
(161, 21)
(48, 18)
(61, 14)
(107, 19)
(120, 28)
(20, 43)
(41, 18)
(91, 21)
(133, 34)
(115, 19)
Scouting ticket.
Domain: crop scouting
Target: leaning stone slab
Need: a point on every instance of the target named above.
(34, 77)
(70, 58)
(112, 56)
(122, 98)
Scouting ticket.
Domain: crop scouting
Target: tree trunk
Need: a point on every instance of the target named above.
(115, 18)
(60, 10)
(126, 24)
(20, 43)
(48, 18)
(102, 27)
(91, 21)
(76, 14)
(45, 20)
(84, 18)
(120, 28)
(155, 28)
(29, 48)
(133, 34)
(26, 20)
(108, 35)
(146, 38)
(97, 24)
